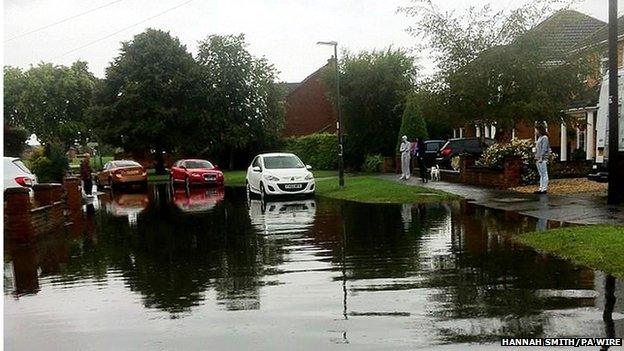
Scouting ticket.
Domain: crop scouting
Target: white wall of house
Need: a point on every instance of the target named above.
(564, 142)
(590, 132)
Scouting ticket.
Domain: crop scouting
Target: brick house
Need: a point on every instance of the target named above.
(564, 33)
(308, 110)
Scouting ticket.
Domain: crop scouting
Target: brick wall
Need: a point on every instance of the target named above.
(508, 177)
(25, 219)
(308, 110)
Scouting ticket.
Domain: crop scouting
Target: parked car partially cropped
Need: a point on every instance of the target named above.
(119, 173)
(599, 172)
(195, 172)
(432, 147)
(279, 174)
(455, 147)
(16, 174)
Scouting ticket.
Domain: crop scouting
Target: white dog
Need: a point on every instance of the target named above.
(435, 173)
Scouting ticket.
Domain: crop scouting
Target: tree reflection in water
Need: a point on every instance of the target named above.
(454, 260)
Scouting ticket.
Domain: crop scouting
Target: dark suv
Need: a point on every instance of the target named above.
(454, 147)
(432, 147)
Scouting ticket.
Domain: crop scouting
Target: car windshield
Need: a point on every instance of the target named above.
(125, 164)
(198, 164)
(280, 162)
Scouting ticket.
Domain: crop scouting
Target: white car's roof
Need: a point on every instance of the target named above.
(277, 154)
(10, 158)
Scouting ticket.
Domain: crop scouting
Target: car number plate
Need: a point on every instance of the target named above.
(132, 172)
(292, 186)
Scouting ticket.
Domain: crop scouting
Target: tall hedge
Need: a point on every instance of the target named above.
(317, 150)
(413, 124)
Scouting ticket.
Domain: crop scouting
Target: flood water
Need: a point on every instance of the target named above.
(167, 270)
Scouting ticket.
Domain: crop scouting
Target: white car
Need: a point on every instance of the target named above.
(16, 174)
(279, 174)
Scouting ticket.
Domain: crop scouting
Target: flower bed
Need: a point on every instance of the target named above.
(522, 149)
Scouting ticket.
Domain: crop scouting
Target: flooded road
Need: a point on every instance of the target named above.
(167, 270)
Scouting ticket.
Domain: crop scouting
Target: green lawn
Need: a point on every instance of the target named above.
(95, 162)
(371, 189)
(599, 247)
(152, 177)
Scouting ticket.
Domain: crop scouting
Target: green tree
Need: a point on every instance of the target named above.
(14, 140)
(512, 84)
(374, 86)
(50, 101)
(491, 70)
(240, 95)
(413, 124)
(433, 102)
(457, 38)
(147, 102)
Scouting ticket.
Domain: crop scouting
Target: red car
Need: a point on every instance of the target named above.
(194, 171)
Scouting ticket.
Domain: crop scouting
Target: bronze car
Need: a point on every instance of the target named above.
(121, 172)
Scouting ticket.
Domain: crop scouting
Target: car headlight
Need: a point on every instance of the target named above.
(310, 176)
(271, 178)
(195, 174)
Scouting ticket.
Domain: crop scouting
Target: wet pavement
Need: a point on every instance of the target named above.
(584, 208)
(170, 270)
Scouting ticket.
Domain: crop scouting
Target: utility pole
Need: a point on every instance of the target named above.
(615, 182)
(339, 124)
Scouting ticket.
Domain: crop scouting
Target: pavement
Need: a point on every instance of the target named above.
(580, 208)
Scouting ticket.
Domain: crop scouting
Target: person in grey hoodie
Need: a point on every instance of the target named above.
(542, 150)
(405, 149)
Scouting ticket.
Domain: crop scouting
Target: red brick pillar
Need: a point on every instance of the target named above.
(17, 216)
(74, 194)
(512, 170)
(47, 194)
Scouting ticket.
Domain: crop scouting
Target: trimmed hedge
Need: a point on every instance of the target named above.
(317, 150)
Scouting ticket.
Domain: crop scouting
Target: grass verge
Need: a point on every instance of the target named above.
(370, 189)
(599, 247)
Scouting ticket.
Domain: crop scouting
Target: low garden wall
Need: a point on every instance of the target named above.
(50, 207)
(507, 177)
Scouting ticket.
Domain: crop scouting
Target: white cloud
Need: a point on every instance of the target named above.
(285, 31)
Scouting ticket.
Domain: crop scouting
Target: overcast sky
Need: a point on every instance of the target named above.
(284, 31)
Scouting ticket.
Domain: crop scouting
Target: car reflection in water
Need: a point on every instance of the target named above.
(125, 205)
(197, 200)
(283, 217)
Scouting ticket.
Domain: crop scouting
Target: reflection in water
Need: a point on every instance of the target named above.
(196, 200)
(320, 272)
(125, 204)
(285, 217)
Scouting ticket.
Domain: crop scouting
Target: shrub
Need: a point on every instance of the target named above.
(372, 163)
(495, 155)
(318, 150)
(49, 164)
(578, 155)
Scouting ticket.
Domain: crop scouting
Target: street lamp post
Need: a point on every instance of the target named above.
(339, 123)
(615, 185)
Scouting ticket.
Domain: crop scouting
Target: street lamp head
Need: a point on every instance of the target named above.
(333, 43)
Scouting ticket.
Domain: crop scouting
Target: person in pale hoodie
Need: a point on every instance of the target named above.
(542, 150)
(405, 150)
